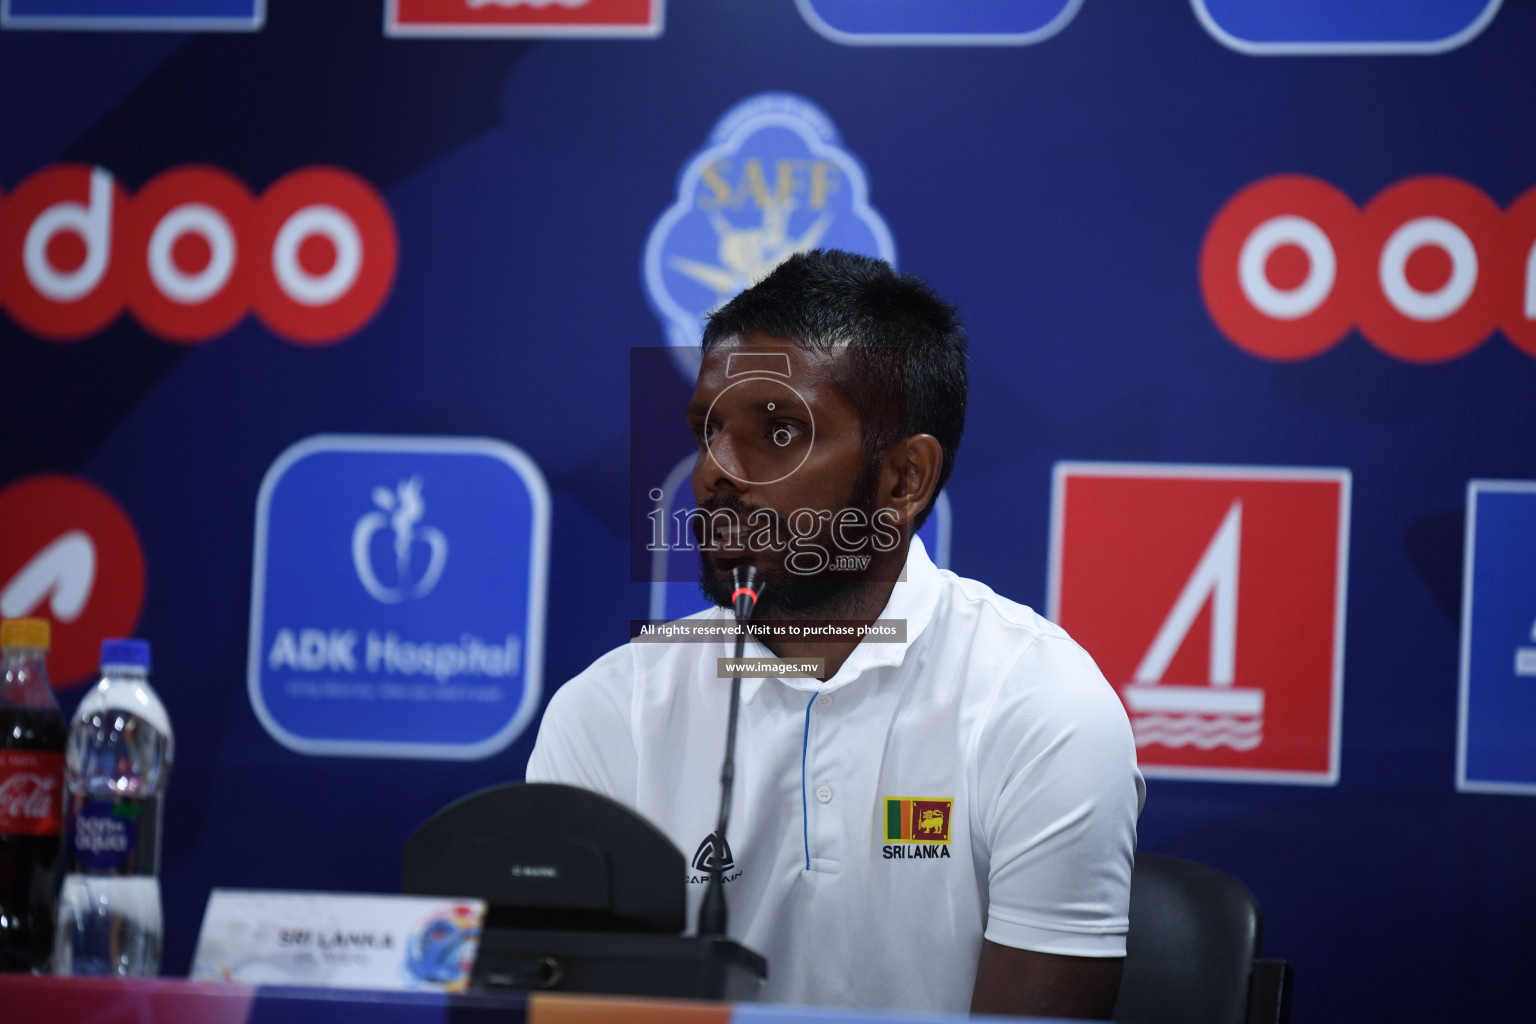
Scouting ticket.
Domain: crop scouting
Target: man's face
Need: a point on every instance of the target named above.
(781, 474)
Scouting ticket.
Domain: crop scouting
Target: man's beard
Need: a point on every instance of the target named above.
(788, 593)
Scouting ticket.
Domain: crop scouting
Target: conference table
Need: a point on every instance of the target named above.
(26, 999)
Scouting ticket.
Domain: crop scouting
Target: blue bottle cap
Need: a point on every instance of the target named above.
(133, 653)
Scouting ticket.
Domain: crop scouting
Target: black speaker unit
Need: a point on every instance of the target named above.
(582, 894)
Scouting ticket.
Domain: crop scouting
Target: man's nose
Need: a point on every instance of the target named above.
(724, 463)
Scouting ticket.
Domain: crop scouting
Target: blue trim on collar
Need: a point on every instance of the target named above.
(805, 808)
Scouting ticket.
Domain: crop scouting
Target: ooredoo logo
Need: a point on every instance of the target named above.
(1426, 271)
(194, 251)
(70, 554)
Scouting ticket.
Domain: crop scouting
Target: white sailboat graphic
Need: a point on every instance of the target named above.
(1219, 714)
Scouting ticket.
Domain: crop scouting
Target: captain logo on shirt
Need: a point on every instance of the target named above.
(917, 820)
(713, 845)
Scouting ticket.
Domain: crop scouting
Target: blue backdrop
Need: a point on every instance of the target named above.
(1059, 192)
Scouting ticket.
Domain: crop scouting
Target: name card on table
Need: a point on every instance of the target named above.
(339, 940)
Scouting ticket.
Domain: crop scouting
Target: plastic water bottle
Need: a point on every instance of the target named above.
(116, 765)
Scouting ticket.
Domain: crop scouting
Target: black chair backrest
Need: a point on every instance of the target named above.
(1193, 937)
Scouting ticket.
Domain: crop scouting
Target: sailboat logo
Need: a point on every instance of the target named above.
(1220, 713)
(1212, 598)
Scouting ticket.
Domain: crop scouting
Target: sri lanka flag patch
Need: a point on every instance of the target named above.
(917, 819)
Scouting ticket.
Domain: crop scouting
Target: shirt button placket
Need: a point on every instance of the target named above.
(826, 763)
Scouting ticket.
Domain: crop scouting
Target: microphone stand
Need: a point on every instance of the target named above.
(747, 587)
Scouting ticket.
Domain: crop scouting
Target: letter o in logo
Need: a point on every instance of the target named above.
(206, 223)
(1431, 301)
(1516, 273)
(1278, 267)
(332, 250)
(188, 235)
(1253, 260)
(331, 224)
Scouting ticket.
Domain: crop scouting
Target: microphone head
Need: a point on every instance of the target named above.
(746, 588)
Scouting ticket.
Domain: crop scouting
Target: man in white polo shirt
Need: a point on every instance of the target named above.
(942, 823)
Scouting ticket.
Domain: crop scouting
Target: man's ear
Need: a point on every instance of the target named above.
(916, 462)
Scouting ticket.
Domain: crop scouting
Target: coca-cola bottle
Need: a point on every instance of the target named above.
(31, 796)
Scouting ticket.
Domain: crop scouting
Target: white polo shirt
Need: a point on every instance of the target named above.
(979, 779)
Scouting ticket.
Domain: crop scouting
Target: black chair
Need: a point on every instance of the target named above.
(1192, 953)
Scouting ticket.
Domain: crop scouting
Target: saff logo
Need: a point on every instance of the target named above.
(772, 181)
(193, 252)
(400, 511)
(1345, 26)
(1426, 270)
(70, 554)
(442, 951)
(1212, 597)
(414, 629)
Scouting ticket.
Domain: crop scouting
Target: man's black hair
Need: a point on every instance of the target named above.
(904, 372)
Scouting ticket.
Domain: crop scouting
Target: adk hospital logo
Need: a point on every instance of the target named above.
(397, 605)
(400, 510)
(772, 180)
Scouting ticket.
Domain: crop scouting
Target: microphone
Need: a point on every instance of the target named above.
(746, 588)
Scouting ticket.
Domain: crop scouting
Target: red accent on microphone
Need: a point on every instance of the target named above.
(744, 590)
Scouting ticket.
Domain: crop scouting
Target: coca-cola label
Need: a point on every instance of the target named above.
(105, 836)
(31, 792)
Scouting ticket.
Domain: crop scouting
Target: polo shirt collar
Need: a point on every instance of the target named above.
(913, 598)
